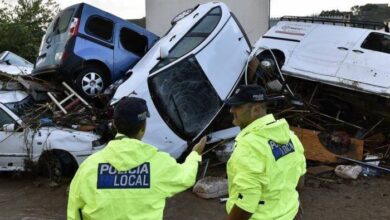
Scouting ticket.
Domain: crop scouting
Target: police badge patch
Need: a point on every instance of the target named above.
(281, 150)
(136, 178)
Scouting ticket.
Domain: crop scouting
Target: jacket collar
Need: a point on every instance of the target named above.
(125, 153)
(256, 124)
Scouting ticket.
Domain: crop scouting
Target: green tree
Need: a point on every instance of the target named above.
(23, 25)
(330, 13)
(371, 12)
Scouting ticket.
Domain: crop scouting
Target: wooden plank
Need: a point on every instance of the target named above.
(319, 170)
(314, 150)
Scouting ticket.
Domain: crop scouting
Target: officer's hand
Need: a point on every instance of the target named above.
(200, 145)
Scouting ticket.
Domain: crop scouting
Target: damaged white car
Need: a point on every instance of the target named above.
(13, 64)
(187, 74)
(326, 51)
(57, 150)
(336, 70)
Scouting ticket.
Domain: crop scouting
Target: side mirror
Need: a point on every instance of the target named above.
(7, 62)
(9, 127)
(164, 52)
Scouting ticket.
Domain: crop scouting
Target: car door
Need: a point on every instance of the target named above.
(223, 68)
(55, 39)
(368, 61)
(324, 49)
(13, 148)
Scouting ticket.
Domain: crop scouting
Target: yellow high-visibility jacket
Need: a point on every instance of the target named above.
(128, 179)
(264, 170)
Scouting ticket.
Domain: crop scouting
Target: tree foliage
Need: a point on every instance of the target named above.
(330, 13)
(371, 12)
(23, 25)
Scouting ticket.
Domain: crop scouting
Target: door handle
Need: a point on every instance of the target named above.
(342, 48)
(173, 37)
(357, 51)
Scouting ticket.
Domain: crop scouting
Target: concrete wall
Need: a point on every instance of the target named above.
(252, 14)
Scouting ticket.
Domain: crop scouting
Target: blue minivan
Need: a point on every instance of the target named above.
(90, 48)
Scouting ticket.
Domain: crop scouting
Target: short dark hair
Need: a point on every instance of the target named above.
(130, 115)
(128, 129)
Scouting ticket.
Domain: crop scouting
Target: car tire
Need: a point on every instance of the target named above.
(268, 62)
(50, 166)
(91, 81)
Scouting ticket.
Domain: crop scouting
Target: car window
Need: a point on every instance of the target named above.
(377, 42)
(133, 41)
(21, 108)
(183, 95)
(61, 22)
(100, 27)
(16, 60)
(194, 37)
(5, 119)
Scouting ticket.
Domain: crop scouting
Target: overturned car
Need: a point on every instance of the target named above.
(13, 64)
(187, 74)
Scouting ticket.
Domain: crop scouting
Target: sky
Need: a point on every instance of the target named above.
(136, 8)
(122, 8)
(309, 7)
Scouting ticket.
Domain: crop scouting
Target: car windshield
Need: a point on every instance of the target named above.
(16, 60)
(184, 97)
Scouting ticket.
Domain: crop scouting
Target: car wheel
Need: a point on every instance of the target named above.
(268, 64)
(50, 166)
(91, 81)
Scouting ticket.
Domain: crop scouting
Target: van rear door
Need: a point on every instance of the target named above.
(54, 41)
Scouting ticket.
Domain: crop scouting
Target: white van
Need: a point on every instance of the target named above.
(343, 56)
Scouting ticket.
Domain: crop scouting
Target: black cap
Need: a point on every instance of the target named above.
(131, 109)
(250, 93)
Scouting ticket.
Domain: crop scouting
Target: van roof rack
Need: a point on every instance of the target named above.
(351, 23)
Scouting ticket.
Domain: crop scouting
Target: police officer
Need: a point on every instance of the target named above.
(129, 179)
(267, 161)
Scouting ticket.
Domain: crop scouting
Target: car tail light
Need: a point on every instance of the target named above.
(64, 56)
(74, 27)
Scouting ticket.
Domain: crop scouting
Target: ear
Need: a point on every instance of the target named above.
(113, 124)
(143, 128)
(256, 110)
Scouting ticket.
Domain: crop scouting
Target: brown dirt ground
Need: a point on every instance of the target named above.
(26, 198)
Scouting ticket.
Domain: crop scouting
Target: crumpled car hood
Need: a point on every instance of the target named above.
(14, 70)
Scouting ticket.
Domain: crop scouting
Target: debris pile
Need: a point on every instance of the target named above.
(211, 187)
(49, 105)
(335, 125)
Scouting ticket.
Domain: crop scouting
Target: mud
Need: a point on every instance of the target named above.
(27, 198)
